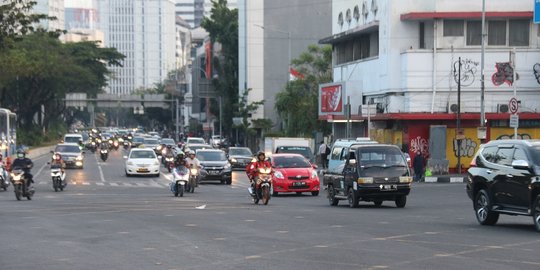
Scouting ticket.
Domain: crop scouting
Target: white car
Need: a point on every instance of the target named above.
(142, 161)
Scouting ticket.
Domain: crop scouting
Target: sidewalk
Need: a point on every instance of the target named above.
(447, 178)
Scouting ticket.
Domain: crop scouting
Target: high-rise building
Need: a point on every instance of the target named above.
(193, 11)
(81, 18)
(144, 31)
(52, 8)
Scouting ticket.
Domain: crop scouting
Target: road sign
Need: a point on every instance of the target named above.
(514, 121)
(370, 109)
(537, 11)
(513, 105)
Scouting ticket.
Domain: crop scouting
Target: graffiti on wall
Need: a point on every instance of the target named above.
(467, 148)
(504, 74)
(524, 136)
(420, 144)
(468, 71)
(536, 71)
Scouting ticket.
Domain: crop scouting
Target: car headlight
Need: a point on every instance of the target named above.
(314, 174)
(156, 163)
(279, 175)
(365, 180)
(79, 158)
(405, 179)
(233, 160)
(129, 163)
(227, 166)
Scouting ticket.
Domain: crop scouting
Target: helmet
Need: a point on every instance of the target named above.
(57, 156)
(21, 154)
(261, 153)
(180, 155)
(191, 152)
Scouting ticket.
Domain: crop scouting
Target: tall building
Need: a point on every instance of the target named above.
(81, 19)
(52, 8)
(144, 31)
(193, 11)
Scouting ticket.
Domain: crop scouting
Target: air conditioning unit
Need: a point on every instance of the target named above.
(453, 108)
(502, 108)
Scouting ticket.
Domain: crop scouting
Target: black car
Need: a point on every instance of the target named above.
(215, 164)
(504, 178)
(240, 157)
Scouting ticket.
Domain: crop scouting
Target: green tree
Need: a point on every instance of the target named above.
(17, 20)
(245, 109)
(222, 26)
(297, 103)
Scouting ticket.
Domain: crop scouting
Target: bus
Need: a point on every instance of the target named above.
(8, 132)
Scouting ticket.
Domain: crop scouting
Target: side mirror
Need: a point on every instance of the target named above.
(314, 166)
(125, 157)
(520, 164)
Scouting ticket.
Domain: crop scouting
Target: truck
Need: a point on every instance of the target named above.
(303, 146)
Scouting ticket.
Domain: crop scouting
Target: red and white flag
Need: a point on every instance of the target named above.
(295, 75)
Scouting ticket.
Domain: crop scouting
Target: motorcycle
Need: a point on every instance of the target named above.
(92, 147)
(58, 177)
(116, 145)
(20, 184)
(169, 163)
(4, 181)
(263, 185)
(180, 181)
(127, 144)
(193, 175)
(104, 154)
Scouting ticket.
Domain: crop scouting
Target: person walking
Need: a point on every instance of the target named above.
(323, 154)
(418, 166)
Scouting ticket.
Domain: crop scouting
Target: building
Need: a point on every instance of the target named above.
(271, 33)
(193, 11)
(81, 19)
(52, 8)
(144, 31)
(183, 75)
(403, 57)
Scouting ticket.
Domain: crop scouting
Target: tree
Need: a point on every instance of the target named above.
(297, 103)
(17, 20)
(245, 109)
(222, 26)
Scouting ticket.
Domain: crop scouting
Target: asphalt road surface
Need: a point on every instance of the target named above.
(104, 220)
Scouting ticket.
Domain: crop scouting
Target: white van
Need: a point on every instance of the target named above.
(73, 138)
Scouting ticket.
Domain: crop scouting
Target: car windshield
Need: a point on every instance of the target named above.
(142, 154)
(167, 141)
(211, 156)
(381, 162)
(138, 140)
(240, 152)
(72, 139)
(291, 162)
(536, 154)
(151, 141)
(304, 151)
(67, 149)
(195, 140)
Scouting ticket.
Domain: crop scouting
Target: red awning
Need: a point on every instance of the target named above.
(412, 16)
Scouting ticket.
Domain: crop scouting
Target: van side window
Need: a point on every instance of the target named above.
(336, 153)
(519, 154)
(504, 156)
(490, 154)
(344, 153)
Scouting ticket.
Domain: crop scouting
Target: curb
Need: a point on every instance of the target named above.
(37, 152)
(445, 179)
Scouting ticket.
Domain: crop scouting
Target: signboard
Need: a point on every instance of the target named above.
(513, 105)
(537, 11)
(331, 99)
(514, 121)
(369, 109)
(482, 133)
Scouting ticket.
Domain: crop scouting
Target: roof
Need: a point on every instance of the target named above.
(412, 16)
(351, 33)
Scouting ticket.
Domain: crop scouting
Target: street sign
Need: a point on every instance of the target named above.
(368, 109)
(514, 121)
(482, 133)
(513, 105)
(537, 11)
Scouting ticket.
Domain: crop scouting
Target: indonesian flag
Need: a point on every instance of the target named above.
(295, 75)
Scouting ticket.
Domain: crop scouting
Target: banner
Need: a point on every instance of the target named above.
(331, 99)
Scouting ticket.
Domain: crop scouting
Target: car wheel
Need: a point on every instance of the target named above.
(352, 198)
(482, 209)
(332, 196)
(377, 202)
(229, 181)
(401, 201)
(127, 174)
(536, 213)
(315, 193)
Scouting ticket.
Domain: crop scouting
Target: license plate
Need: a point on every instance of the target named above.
(299, 184)
(213, 172)
(388, 187)
(142, 170)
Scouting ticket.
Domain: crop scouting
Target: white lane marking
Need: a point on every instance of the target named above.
(100, 184)
(100, 170)
(114, 184)
(85, 183)
(41, 169)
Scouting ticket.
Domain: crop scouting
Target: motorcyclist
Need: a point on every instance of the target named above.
(252, 169)
(25, 164)
(167, 152)
(5, 166)
(179, 160)
(57, 160)
(193, 162)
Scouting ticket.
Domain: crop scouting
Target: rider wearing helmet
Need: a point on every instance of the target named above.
(252, 168)
(57, 160)
(2, 165)
(25, 164)
(193, 162)
(180, 161)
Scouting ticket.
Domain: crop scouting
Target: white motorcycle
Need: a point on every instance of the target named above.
(4, 181)
(180, 181)
(58, 177)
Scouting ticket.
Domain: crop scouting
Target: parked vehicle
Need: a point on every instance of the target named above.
(239, 157)
(142, 161)
(215, 166)
(263, 186)
(504, 179)
(58, 176)
(20, 185)
(372, 172)
(294, 173)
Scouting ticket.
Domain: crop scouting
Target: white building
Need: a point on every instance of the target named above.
(81, 19)
(193, 11)
(183, 61)
(52, 8)
(144, 31)
(403, 57)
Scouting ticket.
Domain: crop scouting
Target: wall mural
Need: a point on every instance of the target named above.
(467, 149)
(524, 136)
(536, 71)
(504, 74)
(468, 71)
(419, 144)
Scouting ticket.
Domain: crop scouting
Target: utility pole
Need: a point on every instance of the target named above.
(482, 77)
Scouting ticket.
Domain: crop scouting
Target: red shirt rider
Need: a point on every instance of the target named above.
(252, 168)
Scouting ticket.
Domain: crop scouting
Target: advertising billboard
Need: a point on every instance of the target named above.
(331, 99)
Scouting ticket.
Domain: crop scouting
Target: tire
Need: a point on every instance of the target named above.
(18, 192)
(61, 188)
(332, 196)
(256, 200)
(377, 202)
(265, 195)
(315, 193)
(482, 209)
(180, 191)
(352, 198)
(169, 169)
(401, 201)
(4, 188)
(55, 185)
(536, 213)
(29, 197)
(127, 174)
(229, 181)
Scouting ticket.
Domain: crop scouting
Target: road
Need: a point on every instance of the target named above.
(104, 220)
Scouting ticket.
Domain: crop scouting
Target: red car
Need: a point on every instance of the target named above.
(294, 173)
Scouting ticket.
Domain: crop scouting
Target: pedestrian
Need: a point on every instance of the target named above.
(323, 154)
(418, 166)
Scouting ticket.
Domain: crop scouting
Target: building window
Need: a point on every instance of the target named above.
(363, 46)
(497, 33)
(474, 33)
(453, 28)
(518, 32)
